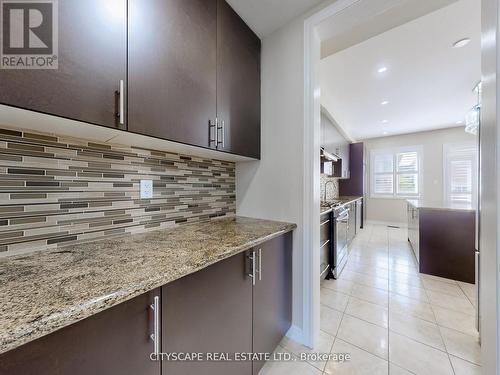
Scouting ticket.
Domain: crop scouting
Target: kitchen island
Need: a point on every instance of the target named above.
(442, 237)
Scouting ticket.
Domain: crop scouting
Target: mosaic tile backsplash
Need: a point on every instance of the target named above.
(332, 190)
(56, 191)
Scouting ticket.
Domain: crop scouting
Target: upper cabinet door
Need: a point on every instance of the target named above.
(238, 84)
(92, 43)
(173, 69)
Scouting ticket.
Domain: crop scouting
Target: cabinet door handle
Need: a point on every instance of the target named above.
(212, 128)
(221, 141)
(155, 336)
(252, 273)
(122, 102)
(260, 264)
(223, 134)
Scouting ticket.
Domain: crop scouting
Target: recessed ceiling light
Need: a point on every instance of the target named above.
(459, 122)
(385, 133)
(382, 69)
(461, 43)
(385, 121)
(385, 102)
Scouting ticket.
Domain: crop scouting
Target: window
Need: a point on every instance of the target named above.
(460, 173)
(395, 173)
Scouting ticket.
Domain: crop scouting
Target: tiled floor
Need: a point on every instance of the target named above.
(390, 318)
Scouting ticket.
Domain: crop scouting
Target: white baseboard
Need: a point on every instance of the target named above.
(387, 223)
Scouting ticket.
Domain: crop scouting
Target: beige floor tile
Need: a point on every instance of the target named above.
(418, 358)
(453, 319)
(367, 280)
(462, 345)
(406, 260)
(404, 269)
(411, 307)
(324, 344)
(289, 368)
(330, 320)
(417, 329)
(437, 278)
(442, 287)
(360, 363)
(333, 299)
(462, 367)
(374, 295)
(460, 304)
(470, 291)
(378, 263)
(409, 291)
(405, 278)
(368, 311)
(364, 335)
(341, 285)
(396, 370)
(368, 270)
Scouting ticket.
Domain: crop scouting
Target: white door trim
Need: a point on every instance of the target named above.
(311, 177)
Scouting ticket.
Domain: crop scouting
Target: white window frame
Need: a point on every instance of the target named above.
(447, 148)
(394, 152)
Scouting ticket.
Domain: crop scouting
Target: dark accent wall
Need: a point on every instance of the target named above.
(354, 186)
(56, 191)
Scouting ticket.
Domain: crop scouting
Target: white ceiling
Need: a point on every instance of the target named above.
(368, 18)
(428, 83)
(266, 16)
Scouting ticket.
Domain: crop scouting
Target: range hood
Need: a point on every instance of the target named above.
(326, 156)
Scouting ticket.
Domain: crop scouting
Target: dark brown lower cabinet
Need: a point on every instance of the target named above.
(272, 295)
(113, 342)
(220, 309)
(207, 312)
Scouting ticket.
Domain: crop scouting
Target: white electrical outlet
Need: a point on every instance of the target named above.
(146, 189)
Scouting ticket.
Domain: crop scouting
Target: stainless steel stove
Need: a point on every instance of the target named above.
(339, 250)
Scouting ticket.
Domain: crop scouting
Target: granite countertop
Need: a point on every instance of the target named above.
(344, 199)
(440, 205)
(349, 199)
(45, 291)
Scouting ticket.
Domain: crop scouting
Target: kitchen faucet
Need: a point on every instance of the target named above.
(326, 188)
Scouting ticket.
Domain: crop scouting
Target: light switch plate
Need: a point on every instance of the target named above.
(146, 189)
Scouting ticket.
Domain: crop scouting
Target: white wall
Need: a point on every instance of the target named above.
(394, 210)
(273, 187)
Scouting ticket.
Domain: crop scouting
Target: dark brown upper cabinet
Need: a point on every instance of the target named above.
(172, 88)
(92, 59)
(238, 84)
